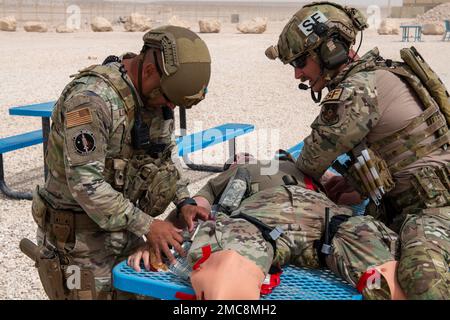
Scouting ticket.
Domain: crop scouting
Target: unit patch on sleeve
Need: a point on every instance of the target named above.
(330, 114)
(84, 142)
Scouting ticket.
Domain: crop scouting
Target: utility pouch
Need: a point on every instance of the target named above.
(431, 191)
(444, 175)
(238, 188)
(116, 242)
(387, 181)
(160, 191)
(429, 79)
(139, 182)
(38, 208)
(119, 166)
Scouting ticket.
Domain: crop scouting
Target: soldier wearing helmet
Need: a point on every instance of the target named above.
(392, 126)
(111, 163)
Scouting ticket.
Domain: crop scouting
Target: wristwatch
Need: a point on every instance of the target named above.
(184, 202)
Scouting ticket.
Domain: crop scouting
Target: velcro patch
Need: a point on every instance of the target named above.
(330, 114)
(84, 142)
(78, 117)
(306, 26)
(334, 95)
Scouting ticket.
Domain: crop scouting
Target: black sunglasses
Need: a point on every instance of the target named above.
(299, 62)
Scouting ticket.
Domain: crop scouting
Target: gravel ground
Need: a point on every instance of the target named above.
(245, 87)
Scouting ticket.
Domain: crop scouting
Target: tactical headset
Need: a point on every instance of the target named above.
(333, 52)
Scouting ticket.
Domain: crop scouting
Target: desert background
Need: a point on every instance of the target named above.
(245, 86)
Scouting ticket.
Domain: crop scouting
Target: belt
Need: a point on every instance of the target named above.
(62, 225)
(79, 221)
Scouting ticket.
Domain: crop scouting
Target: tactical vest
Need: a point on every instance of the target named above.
(436, 115)
(115, 166)
(161, 129)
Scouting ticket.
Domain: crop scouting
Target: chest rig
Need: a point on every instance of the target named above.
(120, 146)
(372, 166)
(138, 135)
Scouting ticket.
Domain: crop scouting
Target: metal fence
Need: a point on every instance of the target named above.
(56, 12)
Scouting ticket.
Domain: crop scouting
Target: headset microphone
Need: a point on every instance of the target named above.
(303, 86)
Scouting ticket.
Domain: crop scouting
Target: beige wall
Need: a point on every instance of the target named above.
(420, 2)
(412, 8)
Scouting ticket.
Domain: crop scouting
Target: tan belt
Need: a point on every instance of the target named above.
(64, 223)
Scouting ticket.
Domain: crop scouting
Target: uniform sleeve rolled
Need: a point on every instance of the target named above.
(87, 121)
(347, 115)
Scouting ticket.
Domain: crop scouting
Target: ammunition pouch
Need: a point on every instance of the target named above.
(431, 189)
(364, 185)
(151, 184)
(38, 208)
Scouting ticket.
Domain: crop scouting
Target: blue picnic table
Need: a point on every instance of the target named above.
(416, 36)
(186, 143)
(42, 110)
(446, 31)
(296, 284)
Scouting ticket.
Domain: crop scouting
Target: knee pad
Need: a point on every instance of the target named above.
(227, 275)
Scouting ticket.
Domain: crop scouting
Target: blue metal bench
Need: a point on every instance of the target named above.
(186, 145)
(296, 284)
(14, 143)
(447, 30)
(207, 138)
(417, 32)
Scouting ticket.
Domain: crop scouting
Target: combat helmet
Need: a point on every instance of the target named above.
(186, 64)
(324, 30)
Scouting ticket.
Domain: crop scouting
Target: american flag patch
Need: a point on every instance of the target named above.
(78, 117)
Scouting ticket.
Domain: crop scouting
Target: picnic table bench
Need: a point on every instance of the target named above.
(186, 143)
(447, 30)
(417, 29)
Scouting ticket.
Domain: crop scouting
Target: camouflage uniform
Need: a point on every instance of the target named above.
(94, 170)
(403, 126)
(349, 114)
(359, 244)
